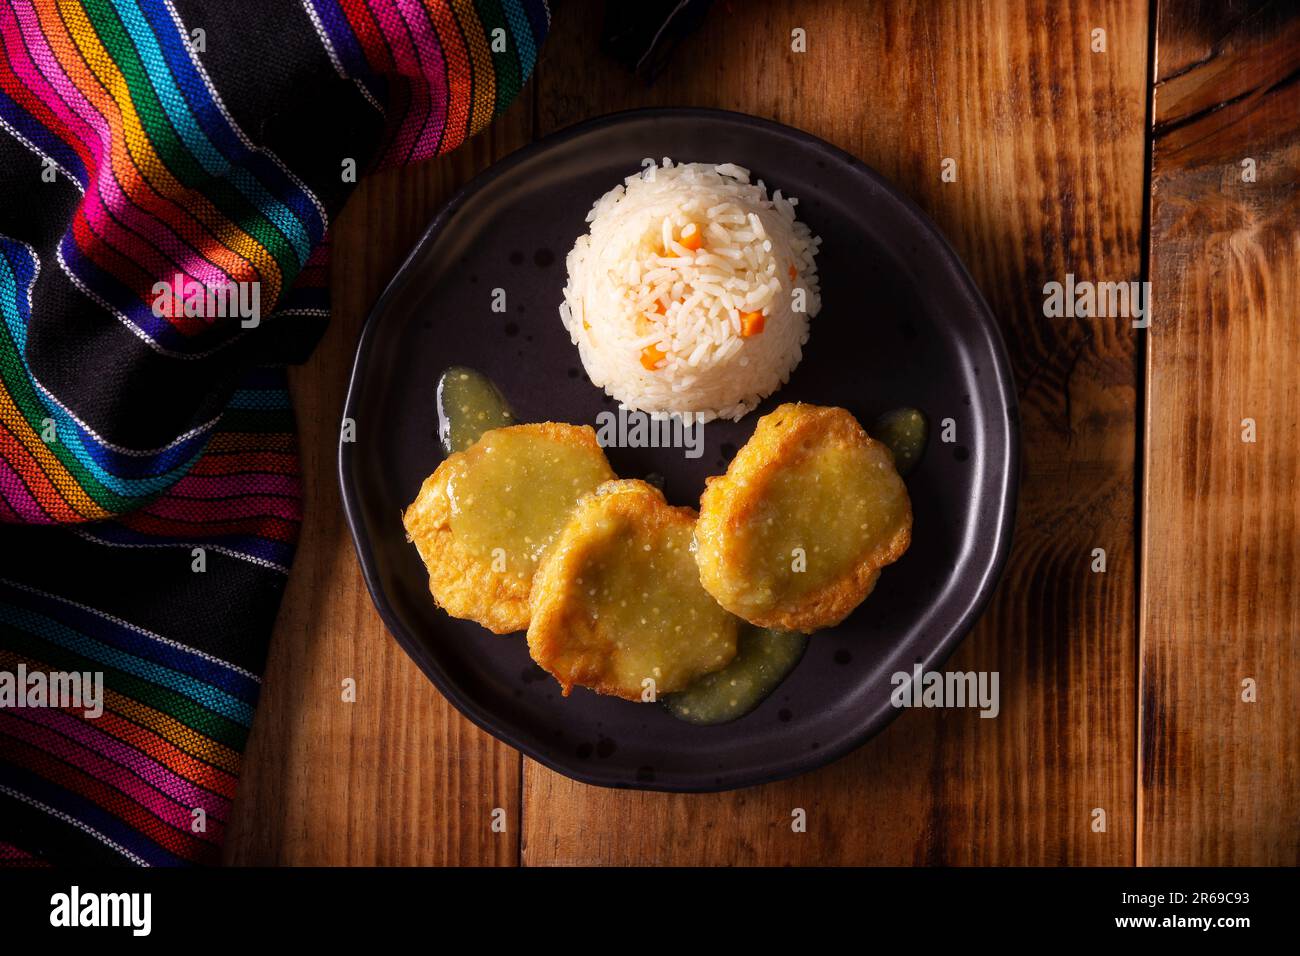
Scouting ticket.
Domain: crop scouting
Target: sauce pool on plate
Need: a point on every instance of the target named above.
(469, 403)
(905, 431)
(763, 659)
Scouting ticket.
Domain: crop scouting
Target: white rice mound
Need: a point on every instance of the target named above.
(631, 264)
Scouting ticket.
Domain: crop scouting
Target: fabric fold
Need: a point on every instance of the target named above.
(169, 170)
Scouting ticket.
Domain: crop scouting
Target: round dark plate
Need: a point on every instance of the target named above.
(902, 324)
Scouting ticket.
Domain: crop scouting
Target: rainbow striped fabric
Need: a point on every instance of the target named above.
(169, 170)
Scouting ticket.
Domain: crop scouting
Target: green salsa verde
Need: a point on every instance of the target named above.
(763, 659)
(905, 431)
(469, 403)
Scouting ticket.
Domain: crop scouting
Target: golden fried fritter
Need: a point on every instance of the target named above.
(793, 536)
(483, 519)
(617, 600)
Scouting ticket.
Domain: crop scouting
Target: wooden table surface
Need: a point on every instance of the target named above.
(1158, 696)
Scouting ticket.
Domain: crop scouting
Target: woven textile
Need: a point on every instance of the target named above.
(169, 172)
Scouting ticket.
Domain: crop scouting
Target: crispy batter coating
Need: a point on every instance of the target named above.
(794, 535)
(466, 578)
(617, 599)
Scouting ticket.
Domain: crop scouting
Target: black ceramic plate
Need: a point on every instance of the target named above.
(902, 324)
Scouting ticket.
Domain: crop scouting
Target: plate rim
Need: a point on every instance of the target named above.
(1002, 379)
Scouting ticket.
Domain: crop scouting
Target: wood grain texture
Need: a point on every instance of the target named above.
(1049, 139)
(1222, 516)
(398, 777)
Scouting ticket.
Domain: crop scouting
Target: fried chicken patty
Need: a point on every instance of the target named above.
(617, 604)
(483, 519)
(794, 535)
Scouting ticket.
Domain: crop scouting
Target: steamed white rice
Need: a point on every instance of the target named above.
(659, 326)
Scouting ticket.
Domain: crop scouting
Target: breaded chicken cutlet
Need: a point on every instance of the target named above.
(483, 519)
(617, 600)
(794, 535)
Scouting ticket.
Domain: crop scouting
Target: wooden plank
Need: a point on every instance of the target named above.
(398, 777)
(1219, 781)
(1049, 139)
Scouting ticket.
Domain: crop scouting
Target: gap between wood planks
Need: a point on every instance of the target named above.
(1140, 432)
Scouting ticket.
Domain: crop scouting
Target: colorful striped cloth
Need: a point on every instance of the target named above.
(152, 153)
